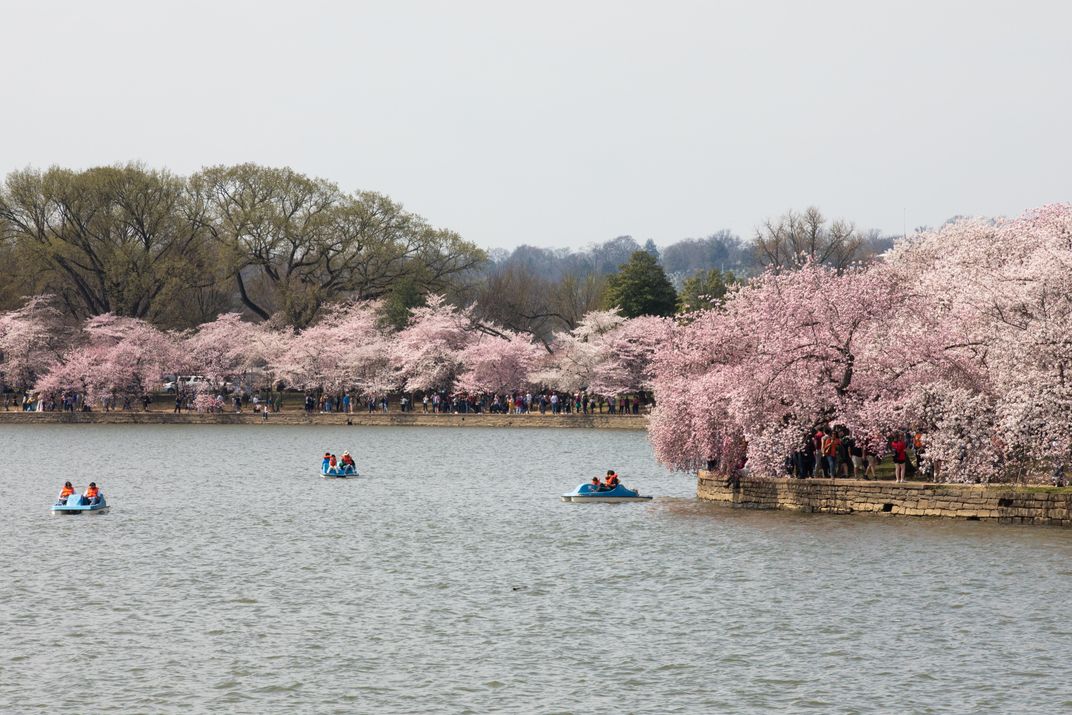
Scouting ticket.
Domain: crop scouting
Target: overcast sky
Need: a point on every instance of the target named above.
(566, 123)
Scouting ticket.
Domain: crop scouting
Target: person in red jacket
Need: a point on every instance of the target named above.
(900, 456)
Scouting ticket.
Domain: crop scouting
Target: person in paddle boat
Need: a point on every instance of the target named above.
(609, 482)
(67, 491)
(92, 494)
(326, 463)
(348, 466)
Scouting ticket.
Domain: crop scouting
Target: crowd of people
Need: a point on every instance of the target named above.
(518, 402)
(833, 452)
(238, 401)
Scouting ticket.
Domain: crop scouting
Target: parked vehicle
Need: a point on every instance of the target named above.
(185, 382)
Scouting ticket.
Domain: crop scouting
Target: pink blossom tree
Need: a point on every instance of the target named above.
(426, 354)
(576, 355)
(498, 363)
(964, 334)
(997, 305)
(781, 358)
(223, 349)
(115, 358)
(626, 353)
(32, 338)
(346, 349)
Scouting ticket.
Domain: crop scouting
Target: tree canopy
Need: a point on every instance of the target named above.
(640, 287)
(148, 244)
(704, 288)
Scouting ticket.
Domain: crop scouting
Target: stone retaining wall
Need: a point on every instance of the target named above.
(414, 419)
(1007, 503)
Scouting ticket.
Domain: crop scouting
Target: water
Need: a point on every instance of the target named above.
(229, 577)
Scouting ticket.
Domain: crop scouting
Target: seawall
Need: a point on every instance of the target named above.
(409, 419)
(1006, 503)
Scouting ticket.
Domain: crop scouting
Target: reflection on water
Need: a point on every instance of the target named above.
(229, 577)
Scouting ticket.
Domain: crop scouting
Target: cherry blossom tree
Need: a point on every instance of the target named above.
(576, 355)
(346, 349)
(223, 349)
(31, 339)
(963, 334)
(781, 358)
(997, 299)
(115, 358)
(427, 352)
(625, 357)
(494, 364)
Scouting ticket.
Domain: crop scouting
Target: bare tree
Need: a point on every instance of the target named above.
(794, 238)
(528, 303)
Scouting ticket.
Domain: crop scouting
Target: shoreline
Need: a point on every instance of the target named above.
(1008, 503)
(363, 419)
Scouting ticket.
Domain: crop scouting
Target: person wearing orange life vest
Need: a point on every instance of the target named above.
(92, 494)
(612, 478)
(67, 491)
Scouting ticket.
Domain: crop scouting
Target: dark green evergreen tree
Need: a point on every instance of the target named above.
(404, 294)
(704, 287)
(640, 287)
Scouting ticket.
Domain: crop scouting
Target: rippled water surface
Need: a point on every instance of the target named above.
(229, 577)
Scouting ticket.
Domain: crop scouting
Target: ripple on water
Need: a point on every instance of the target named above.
(444, 581)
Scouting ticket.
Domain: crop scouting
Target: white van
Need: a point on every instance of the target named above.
(186, 382)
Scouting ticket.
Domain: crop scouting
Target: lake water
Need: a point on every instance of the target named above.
(229, 577)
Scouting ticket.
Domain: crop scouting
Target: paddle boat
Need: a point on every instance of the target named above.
(340, 472)
(78, 504)
(589, 493)
(330, 468)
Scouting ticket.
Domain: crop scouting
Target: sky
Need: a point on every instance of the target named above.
(562, 124)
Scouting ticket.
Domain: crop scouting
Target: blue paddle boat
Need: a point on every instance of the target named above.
(78, 504)
(338, 472)
(588, 493)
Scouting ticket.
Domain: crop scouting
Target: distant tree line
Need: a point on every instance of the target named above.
(275, 244)
(177, 251)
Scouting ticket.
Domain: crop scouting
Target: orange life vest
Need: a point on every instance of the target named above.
(66, 491)
(91, 492)
(332, 462)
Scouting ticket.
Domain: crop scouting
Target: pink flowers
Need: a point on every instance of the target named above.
(963, 334)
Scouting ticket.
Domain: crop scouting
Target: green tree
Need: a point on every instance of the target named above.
(402, 296)
(294, 243)
(702, 288)
(115, 239)
(640, 287)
